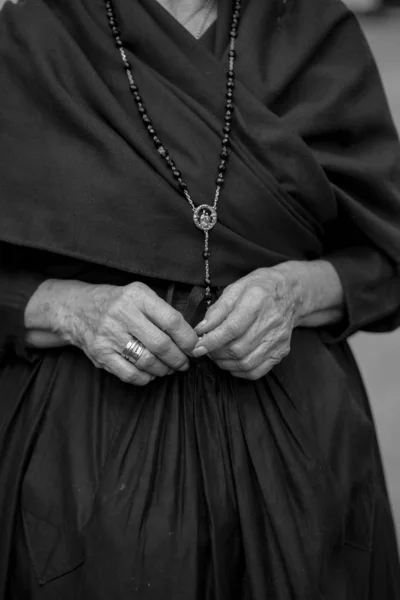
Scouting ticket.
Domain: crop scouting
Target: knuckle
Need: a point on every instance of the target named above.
(285, 350)
(149, 360)
(232, 328)
(256, 294)
(163, 346)
(236, 350)
(172, 320)
(137, 288)
(246, 364)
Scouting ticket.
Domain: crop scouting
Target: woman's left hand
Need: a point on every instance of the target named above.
(248, 329)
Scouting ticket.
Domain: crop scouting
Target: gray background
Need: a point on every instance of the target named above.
(379, 355)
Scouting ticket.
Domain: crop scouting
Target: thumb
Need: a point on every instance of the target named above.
(216, 314)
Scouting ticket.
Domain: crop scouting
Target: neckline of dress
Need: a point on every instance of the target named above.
(209, 24)
(221, 26)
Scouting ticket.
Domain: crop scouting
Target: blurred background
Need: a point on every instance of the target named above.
(379, 355)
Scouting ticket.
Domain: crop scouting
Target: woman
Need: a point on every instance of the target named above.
(187, 190)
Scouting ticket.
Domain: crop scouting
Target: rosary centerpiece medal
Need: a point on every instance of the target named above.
(204, 216)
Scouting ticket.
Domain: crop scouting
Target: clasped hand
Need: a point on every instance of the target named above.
(248, 330)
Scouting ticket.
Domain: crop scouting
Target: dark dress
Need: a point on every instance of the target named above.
(199, 486)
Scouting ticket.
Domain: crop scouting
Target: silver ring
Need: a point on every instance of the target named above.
(133, 350)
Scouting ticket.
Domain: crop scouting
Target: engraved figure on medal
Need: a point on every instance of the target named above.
(205, 217)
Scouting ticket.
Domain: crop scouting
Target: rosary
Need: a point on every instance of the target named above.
(205, 216)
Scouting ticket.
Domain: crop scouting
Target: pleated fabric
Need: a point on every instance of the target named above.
(198, 486)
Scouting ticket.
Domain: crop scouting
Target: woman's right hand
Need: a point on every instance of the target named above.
(102, 319)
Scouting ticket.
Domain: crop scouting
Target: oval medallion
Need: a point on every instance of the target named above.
(205, 217)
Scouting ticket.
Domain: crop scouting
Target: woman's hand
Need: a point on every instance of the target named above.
(248, 330)
(102, 319)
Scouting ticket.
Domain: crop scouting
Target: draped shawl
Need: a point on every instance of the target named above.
(313, 142)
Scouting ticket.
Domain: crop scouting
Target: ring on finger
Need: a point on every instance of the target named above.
(133, 350)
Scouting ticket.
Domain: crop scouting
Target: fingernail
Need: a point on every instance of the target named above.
(184, 367)
(200, 351)
(201, 324)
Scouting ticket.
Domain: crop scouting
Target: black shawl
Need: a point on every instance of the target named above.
(313, 142)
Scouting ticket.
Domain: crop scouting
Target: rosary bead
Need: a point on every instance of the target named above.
(228, 116)
(222, 166)
(225, 140)
(157, 141)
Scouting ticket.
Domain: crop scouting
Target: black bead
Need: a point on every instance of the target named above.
(228, 116)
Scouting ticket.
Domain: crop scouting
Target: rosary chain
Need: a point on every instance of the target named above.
(208, 218)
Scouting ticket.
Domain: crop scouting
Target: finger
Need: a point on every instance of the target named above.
(237, 322)
(243, 345)
(216, 314)
(159, 344)
(171, 321)
(257, 373)
(149, 363)
(246, 363)
(126, 372)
